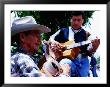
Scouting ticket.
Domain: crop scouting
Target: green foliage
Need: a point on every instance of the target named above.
(87, 15)
(13, 49)
(98, 60)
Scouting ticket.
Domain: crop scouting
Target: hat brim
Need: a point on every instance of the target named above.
(26, 27)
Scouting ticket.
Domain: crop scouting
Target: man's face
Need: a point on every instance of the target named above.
(76, 21)
(31, 41)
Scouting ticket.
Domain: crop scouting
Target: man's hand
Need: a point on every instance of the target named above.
(55, 50)
(95, 45)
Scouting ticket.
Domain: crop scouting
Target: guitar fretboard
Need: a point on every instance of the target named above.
(78, 44)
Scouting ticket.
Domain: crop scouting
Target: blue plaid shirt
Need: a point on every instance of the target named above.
(22, 65)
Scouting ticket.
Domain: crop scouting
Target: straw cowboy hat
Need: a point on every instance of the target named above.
(27, 23)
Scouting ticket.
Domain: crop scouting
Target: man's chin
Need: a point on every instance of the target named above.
(76, 28)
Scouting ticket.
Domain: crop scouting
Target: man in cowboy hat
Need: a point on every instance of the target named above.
(25, 32)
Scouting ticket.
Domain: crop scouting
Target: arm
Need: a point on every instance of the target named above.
(95, 42)
(95, 45)
(53, 36)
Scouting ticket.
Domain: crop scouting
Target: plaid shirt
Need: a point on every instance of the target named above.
(22, 65)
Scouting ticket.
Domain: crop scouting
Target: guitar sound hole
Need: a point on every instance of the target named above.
(55, 66)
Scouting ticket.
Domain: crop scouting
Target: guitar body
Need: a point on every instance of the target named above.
(70, 53)
(41, 62)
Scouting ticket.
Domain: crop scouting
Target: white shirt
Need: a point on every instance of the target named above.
(71, 35)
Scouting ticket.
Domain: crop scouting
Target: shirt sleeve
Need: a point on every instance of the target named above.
(24, 66)
(53, 36)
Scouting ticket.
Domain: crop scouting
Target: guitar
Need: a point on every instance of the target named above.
(70, 49)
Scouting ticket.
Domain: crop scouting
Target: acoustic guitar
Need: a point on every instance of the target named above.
(70, 49)
(69, 52)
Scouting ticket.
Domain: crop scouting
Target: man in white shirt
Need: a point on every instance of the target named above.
(80, 64)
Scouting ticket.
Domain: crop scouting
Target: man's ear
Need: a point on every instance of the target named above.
(22, 37)
(70, 20)
(82, 21)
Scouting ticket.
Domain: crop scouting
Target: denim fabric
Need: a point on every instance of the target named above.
(94, 71)
(82, 66)
(93, 66)
(79, 66)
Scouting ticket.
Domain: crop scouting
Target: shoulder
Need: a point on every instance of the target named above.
(87, 33)
(21, 58)
(66, 28)
(62, 30)
(18, 56)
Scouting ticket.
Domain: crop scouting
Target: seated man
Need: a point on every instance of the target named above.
(25, 32)
(79, 63)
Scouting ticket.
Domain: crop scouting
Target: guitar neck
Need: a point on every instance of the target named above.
(78, 44)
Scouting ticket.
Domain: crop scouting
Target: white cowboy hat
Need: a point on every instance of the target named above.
(27, 23)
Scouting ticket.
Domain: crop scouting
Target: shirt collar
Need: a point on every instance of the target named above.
(35, 56)
(76, 31)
